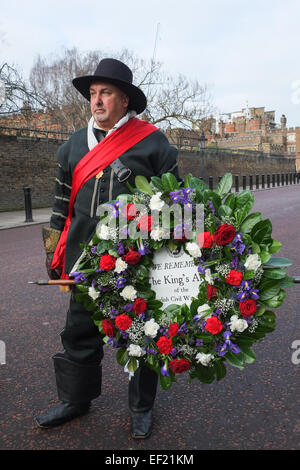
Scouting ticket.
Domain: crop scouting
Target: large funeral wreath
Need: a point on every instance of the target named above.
(240, 280)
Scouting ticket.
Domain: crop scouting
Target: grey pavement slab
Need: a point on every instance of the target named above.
(13, 219)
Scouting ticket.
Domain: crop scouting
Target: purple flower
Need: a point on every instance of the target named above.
(150, 351)
(78, 277)
(94, 249)
(113, 313)
(121, 249)
(127, 308)
(121, 282)
(143, 249)
(174, 352)
(253, 294)
(164, 370)
(211, 207)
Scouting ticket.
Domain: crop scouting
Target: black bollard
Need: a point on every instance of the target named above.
(250, 182)
(28, 207)
(237, 186)
(244, 182)
(257, 181)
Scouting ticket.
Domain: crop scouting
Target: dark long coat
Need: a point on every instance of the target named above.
(152, 156)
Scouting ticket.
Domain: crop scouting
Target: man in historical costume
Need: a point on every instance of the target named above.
(93, 167)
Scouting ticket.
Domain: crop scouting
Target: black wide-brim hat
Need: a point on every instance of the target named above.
(115, 72)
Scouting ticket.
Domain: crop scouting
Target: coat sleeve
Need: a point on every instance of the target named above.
(166, 158)
(62, 191)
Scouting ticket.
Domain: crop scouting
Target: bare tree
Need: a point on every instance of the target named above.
(172, 101)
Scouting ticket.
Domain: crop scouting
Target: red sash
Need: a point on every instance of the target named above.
(101, 156)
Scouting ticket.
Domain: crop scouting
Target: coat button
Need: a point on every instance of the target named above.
(102, 190)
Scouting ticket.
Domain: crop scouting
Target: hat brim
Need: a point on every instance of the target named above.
(137, 99)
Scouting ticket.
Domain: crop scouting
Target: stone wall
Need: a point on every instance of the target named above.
(32, 162)
(205, 164)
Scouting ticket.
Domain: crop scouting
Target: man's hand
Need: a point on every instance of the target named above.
(52, 273)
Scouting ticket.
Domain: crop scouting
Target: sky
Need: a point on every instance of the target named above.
(244, 51)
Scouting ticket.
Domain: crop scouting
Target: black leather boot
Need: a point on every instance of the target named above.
(77, 385)
(141, 395)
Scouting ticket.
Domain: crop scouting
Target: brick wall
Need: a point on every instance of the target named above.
(26, 162)
(32, 162)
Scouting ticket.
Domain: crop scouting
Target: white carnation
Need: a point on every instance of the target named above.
(253, 262)
(151, 328)
(135, 350)
(157, 234)
(102, 231)
(193, 249)
(93, 293)
(208, 276)
(237, 324)
(120, 265)
(203, 358)
(128, 293)
(203, 311)
(156, 203)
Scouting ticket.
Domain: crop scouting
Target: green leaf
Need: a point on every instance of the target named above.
(169, 182)
(264, 256)
(187, 180)
(234, 360)
(274, 273)
(248, 275)
(165, 382)
(224, 185)
(250, 221)
(156, 181)
(132, 364)
(279, 262)
(261, 232)
(143, 185)
(260, 311)
(122, 356)
(268, 289)
(275, 247)
(213, 197)
(224, 211)
(203, 373)
(198, 184)
(230, 201)
(243, 198)
(220, 370)
(286, 282)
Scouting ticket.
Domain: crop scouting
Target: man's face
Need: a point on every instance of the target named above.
(108, 104)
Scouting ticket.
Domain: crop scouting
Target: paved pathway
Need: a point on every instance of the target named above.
(258, 408)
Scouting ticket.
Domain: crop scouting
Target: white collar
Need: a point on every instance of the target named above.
(91, 138)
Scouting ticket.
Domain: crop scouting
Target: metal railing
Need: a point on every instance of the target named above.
(256, 182)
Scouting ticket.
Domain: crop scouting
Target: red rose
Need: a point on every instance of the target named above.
(123, 321)
(234, 277)
(205, 240)
(107, 262)
(211, 292)
(108, 327)
(139, 305)
(224, 234)
(130, 211)
(164, 345)
(132, 257)
(213, 325)
(144, 223)
(179, 365)
(173, 328)
(248, 307)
